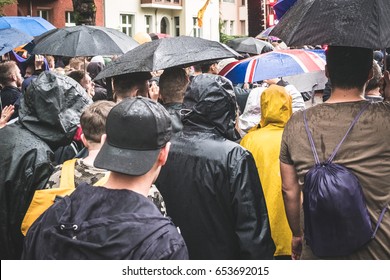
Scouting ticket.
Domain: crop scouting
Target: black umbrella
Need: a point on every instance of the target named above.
(83, 40)
(164, 53)
(357, 23)
(250, 45)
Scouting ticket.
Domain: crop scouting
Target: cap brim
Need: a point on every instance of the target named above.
(130, 162)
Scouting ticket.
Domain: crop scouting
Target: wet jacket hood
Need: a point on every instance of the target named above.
(52, 106)
(80, 228)
(210, 103)
(276, 106)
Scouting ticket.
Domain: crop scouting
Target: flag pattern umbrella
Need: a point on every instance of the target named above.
(33, 26)
(274, 64)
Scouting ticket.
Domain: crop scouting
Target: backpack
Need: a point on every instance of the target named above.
(45, 198)
(336, 218)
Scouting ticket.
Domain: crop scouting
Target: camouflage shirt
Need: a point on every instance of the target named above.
(90, 174)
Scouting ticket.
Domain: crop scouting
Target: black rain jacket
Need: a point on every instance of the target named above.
(48, 117)
(97, 223)
(210, 184)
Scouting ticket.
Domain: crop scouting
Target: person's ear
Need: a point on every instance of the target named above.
(163, 156)
(84, 140)
(103, 139)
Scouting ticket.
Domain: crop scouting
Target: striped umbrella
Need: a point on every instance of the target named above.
(274, 64)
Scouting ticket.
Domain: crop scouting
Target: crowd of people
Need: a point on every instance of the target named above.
(181, 164)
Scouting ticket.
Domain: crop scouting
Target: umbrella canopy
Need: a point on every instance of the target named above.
(358, 23)
(250, 45)
(83, 40)
(11, 38)
(264, 35)
(274, 64)
(282, 6)
(33, 26)
(164, 53)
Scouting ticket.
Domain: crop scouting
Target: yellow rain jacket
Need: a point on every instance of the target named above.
(263, 141)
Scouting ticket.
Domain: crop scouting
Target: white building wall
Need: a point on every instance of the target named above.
(190, 8)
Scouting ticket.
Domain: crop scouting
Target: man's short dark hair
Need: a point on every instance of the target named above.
(77, 75)
(93, 120)
(348, 67)
(173, 85)
(205, 66)
(124, 83)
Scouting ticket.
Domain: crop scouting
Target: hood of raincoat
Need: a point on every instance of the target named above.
(276, 106)
(100, 223)
(210, 104)
(52, 106)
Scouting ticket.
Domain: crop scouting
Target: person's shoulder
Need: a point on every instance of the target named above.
(167, 243)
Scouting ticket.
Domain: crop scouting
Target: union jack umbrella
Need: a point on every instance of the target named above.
(275, 64)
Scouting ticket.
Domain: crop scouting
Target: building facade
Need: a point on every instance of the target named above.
(172, 17)
(57, 12)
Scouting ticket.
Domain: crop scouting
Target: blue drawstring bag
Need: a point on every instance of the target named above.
(336, 218)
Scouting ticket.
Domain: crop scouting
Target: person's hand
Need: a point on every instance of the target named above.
(39, 61)
(386, 86)
(296, 247)
(6, 115)
(154, 91)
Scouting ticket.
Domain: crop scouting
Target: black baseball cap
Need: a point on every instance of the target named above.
(137, 128)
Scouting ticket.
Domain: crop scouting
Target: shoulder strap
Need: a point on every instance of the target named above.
(380, 219)
(330, 159)
(313, 148)
(67, 174)
(102, 180)
(349, 129)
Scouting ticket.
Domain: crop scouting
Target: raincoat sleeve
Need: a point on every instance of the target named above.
(249, 209)
(297, 100)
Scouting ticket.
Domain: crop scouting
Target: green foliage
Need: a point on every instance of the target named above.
(6, 3)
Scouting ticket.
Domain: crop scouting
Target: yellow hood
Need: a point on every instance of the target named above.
(276, 106)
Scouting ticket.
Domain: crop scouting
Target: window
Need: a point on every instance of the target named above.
(242, 2)
(196, 29)
(45, 14)
(224, 26)
(127, 24)
(243, 29)
(232, 27)
(177, 26)
(69, 19)
(148, 23)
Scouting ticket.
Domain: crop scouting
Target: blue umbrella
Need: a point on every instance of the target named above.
(33, 26)
(282, 6)
(11, 38)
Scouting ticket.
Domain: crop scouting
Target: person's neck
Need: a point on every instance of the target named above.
(139, 184)
(11, 84)
(92, 153)
(375, 92)
(346, 95)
